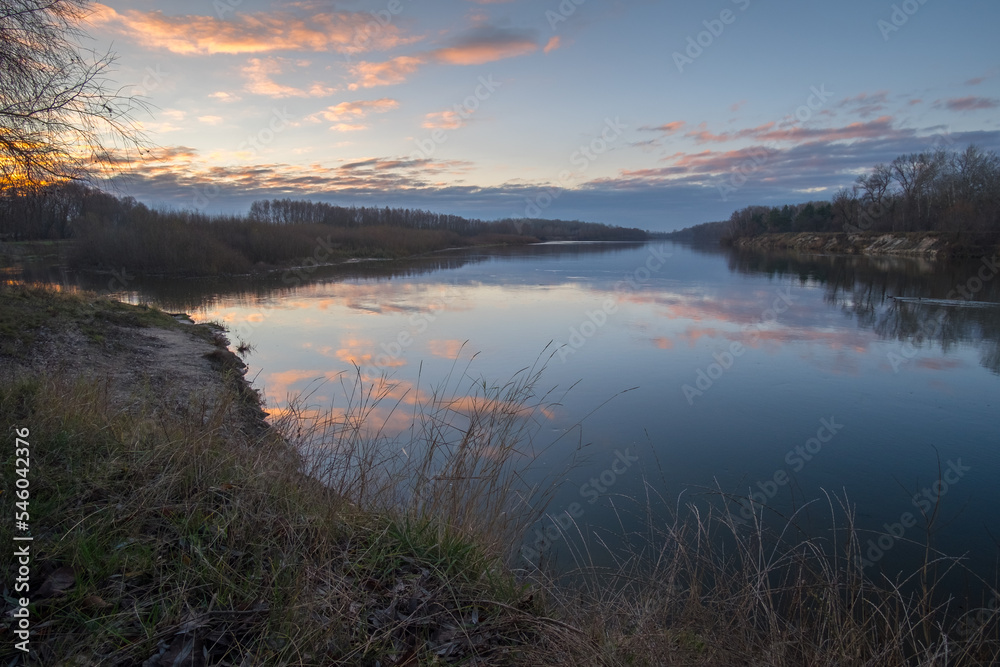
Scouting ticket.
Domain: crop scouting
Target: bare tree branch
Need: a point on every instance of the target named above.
(61, 118)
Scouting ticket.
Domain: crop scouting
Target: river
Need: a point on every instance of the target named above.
(679, 373)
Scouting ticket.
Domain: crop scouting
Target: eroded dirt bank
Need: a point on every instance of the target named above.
(917, 244)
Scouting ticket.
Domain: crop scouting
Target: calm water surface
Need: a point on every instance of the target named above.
(775, 375)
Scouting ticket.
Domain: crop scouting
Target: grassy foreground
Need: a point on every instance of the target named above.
(187, 534)
(172, 528)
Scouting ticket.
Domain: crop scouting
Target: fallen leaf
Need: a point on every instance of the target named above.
(58, 583)
(94, 602)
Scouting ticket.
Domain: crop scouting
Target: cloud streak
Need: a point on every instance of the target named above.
(252, 32)
(482, 45)
(881, 127)
(487, 44)
(968, 103)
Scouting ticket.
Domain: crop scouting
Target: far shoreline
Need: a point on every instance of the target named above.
(927, 244)
(15, 252)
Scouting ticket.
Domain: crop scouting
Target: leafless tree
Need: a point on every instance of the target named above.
(61, 118)
(876, 184)
(976, 175)
(915, 174)
(845, 208)
(875, 197)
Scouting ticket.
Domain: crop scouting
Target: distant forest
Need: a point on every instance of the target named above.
(954, 192)
(287, 211)
(112, 232)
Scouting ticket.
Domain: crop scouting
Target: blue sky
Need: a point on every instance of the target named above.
(650, 114)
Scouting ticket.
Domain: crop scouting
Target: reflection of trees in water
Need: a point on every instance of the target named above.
(945, 325)
(189, 294)
(547, 250)
(862, 286)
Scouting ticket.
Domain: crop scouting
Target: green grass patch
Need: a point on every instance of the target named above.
(25, 311)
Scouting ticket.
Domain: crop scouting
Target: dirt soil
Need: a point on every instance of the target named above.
(184, 369)
(930, 245)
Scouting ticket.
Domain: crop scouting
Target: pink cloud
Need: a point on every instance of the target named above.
(181, 169)
(443, 120)
(715, 161)
(881, 127)
(341, 114)
(666, 128)
(480, 53)
(975, 81)
(223, 96)
(252, 32)
(390, 72)
(968, 103)
(260, 74)
(704, 136)
(483, 45)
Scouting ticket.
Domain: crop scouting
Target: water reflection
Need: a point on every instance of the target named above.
(190, 294)
(867, 289)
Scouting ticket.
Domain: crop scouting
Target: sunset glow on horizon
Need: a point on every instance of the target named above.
(657, 115)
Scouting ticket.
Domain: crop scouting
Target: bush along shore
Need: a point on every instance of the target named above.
(170, 525)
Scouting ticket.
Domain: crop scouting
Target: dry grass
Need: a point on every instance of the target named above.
(180, 537)
(702, 586)
(464, 462)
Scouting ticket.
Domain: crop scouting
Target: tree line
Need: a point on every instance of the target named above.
(67, 210)
(288, 211)
(942, 191)
(106, 232)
